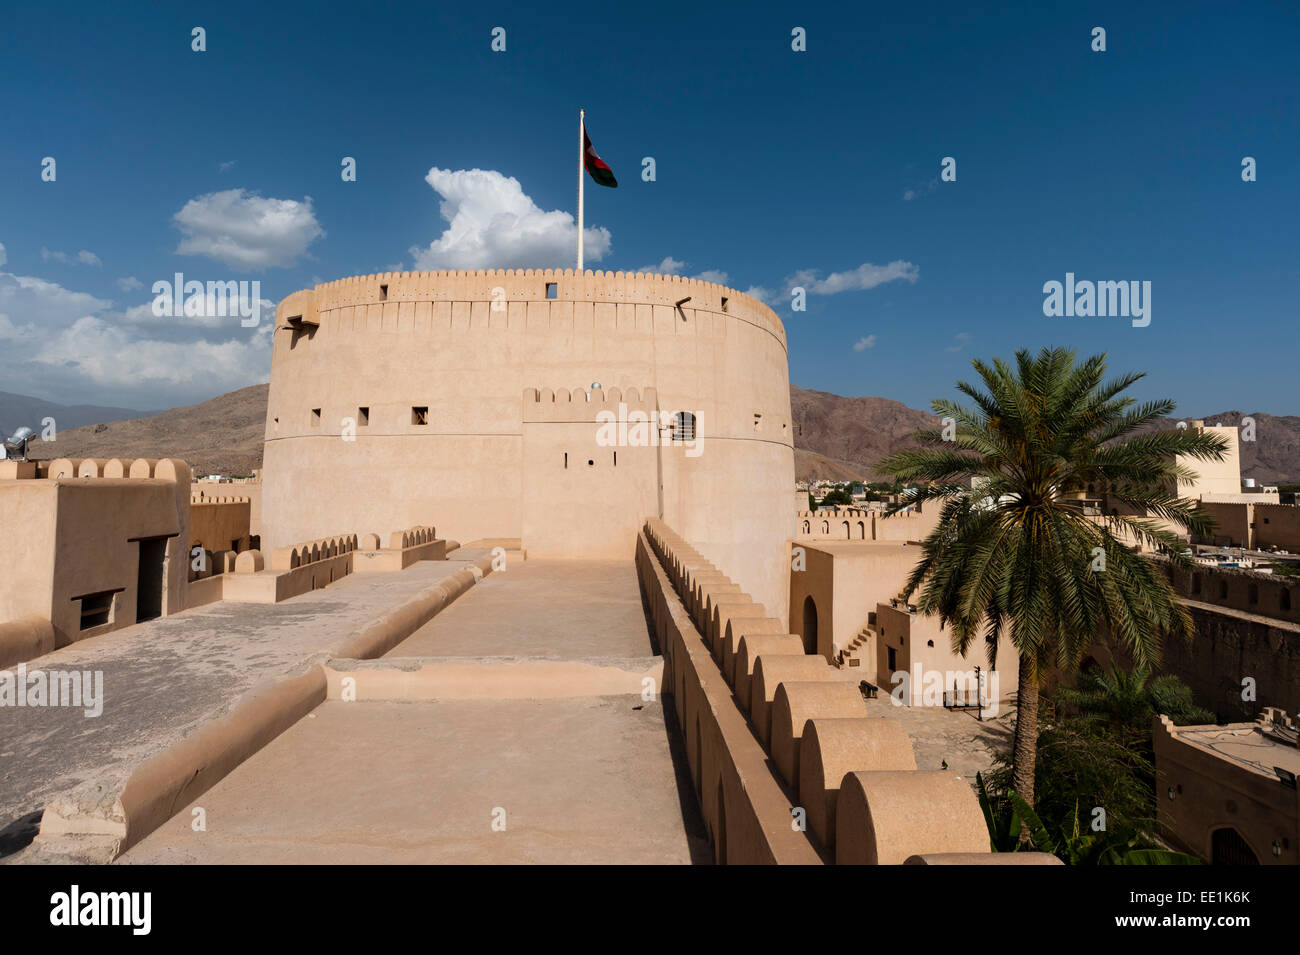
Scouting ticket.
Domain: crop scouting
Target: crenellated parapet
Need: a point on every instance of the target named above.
(289, 558)
(163, 469)
(534, 285)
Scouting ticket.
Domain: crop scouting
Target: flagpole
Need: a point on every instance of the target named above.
(582, 113)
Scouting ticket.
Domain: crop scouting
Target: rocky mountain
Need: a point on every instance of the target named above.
(17, 411)
(220, 436)
(836, 438)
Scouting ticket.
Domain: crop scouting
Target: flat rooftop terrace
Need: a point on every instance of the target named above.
(561, 609)
(583, 779)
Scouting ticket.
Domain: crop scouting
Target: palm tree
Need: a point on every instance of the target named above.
(1013, 550)
(1128, 699)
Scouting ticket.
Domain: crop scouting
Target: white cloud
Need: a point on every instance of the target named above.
(219, 311)
(227, 166)
(765, 295)
(129, 284)
(960, 341)
(865, 276)
(862, 344)
(669, 266)
(245, 231)
(42, 303)
(493, 224)
(84, 257)
(69, 346)
(108, 355)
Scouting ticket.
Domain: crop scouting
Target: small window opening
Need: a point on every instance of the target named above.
(552, 290)
(96, 609)
(315, 417)
(683, 426)
(566, 460)
(420, 414)
(363, 417)
(724, 303)
(383, 293)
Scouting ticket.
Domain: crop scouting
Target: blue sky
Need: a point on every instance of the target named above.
(775, 167)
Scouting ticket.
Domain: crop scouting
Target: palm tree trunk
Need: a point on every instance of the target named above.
(1025, 752)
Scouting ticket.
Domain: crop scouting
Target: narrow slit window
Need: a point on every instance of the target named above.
(383, 293)
(363, 417)
(315, 417)
(724, 303)
(552, 290)
(566, 460)
(420, 414)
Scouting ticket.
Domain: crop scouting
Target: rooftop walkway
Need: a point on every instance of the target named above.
(513, 731)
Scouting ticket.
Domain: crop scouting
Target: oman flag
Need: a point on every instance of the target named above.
(597, 167)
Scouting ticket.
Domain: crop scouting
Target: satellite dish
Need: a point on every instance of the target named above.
(15, 448)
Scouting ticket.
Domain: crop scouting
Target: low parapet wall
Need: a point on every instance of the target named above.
(404, 549)
(302, 568)
(747, 813)
(850, 778)
(25, 639)
(294, 570)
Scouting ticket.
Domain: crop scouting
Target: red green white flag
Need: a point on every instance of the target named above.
(595, 166)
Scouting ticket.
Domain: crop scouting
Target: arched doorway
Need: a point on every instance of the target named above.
(809, 625)
(1227, 847)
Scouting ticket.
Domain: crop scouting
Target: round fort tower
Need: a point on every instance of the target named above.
(551, 406)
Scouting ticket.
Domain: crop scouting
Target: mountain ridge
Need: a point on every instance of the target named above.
(836, 437)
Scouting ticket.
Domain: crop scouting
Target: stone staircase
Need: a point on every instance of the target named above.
(851, 656)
